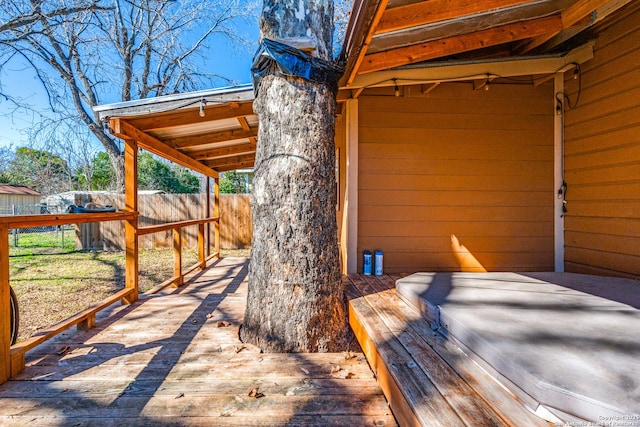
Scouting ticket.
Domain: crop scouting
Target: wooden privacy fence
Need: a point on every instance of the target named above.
(156, 209)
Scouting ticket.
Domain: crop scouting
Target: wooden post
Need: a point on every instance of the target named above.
(5, 320)
(131, 226)
(216, 214)
(177, 256)
(351, 204)
(207, 214)
(201, 245)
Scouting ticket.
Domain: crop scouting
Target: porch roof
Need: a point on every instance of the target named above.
(207, 131)
(393, 34)
(388, 43)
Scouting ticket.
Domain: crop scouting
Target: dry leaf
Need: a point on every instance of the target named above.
(179, 396)
(63, 350)
(256, 393)
(338, 372)
(223, 324)
(348, 355)
(238, 349)
(209, 316)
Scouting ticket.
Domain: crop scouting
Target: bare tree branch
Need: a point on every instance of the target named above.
(95, 51)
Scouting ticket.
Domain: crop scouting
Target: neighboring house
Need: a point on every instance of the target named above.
(18, 200)
(444, 174)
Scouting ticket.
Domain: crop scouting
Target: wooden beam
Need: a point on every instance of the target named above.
(18, 350)
(428, 12)
(225, 161)
(192, 116)
(150, 229)
(131, 225)
(602, 10)
(428, 88)
(33, 221)
(177, 257)
(236, 166)
(207, 214)
(471, 70)
(216, 214)
(125, 130)
(570, 16)
(225, 151)
(244, 124)
(362, 25)
(458, 44)
(211, 138)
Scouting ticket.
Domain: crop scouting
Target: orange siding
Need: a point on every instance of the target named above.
(602, 155)
(477, 165)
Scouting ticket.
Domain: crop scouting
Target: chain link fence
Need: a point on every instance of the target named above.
(62, 236)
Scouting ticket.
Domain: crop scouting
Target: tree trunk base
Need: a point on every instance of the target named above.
(296, 299)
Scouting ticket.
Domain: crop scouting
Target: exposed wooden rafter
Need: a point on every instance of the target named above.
(570, 16)
(596, 16)
(231, 161)
(243, 123)
(182, 117)
(211, 138)
(365, 18)
(427, 12)
(125, 130)
(471, 70)
(225, 151)
(462, 43)
(236, 166)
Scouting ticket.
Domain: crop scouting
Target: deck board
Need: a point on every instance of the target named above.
(164, 360)
(427, 379)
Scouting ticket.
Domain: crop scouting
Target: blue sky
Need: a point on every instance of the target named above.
(20, 81)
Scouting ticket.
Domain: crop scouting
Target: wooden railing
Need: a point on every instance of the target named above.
(12, 358)
(203, 247)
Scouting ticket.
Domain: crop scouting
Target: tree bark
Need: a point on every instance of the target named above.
(295, 300)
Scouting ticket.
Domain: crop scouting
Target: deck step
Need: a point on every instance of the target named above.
(427, 380)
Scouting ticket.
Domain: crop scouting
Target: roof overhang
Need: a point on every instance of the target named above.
(544, 66)
(207, 131)
(389, 34)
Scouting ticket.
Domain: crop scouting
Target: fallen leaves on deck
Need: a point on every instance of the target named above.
(255, 392)
(348, 355)
(223, 324)
(338, 372)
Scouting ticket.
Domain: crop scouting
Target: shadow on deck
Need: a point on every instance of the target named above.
(175, 359)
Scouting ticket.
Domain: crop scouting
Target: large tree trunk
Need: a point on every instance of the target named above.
(296, 299)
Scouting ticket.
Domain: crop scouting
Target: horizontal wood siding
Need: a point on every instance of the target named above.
(458, 163)
(602, 155)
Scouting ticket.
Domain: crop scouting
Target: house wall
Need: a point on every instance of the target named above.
(457, 169)
(602, 155)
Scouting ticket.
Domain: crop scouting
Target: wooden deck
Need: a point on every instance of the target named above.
(428, 380)
(170, 359)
